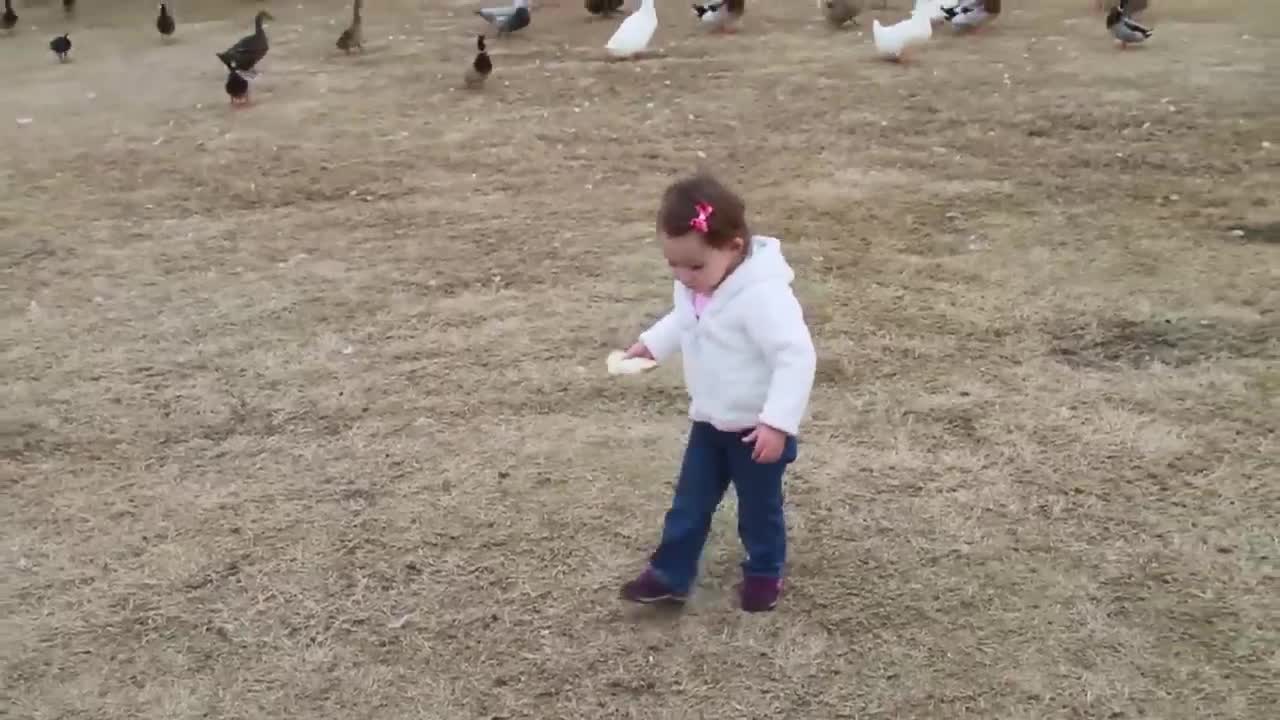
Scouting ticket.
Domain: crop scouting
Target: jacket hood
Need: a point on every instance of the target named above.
(764, 264)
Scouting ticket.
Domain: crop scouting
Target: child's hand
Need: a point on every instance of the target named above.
(638, 350)
(770, 442)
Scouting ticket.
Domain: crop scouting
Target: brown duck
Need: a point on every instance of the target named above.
(603, 8)
(353, 36)
(480, 67)
(10, 18)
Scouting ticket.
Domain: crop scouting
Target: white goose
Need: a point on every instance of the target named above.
(932, 8)
(892, 41)
(633, 35)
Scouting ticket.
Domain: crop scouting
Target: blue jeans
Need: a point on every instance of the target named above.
(712, 460)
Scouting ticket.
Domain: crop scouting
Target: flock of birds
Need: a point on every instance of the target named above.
(633, 35)
(892, 41)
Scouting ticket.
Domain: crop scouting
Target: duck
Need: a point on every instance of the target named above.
(353, 36)
(602, 8)
(1125, 29)
(840, 12)
(633, 35)
(893, 41)
(250, 49)
(480, 67)
(61, 46)
(164, 22)
(10, 18)
(723, 15)
(68, 6)
(508, 19)
(237, 88)
(971, 14)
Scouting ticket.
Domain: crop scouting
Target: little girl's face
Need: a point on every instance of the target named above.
(697, 265)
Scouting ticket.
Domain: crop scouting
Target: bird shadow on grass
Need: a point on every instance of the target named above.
(637, 57)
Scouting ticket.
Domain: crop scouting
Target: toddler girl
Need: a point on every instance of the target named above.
(748, 364)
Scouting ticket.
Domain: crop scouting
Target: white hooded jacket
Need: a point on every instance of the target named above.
(749, 359)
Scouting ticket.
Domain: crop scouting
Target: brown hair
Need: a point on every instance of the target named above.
(726, 221)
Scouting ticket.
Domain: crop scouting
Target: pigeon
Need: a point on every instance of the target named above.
(971, 13)
(508, 19)
(723, 15)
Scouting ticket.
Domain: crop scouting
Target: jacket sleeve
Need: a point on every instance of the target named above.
(777, 326)
(663, 337)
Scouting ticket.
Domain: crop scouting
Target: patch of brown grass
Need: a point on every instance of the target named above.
(304, 411)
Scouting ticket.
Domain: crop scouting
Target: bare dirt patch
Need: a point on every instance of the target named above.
(1268, 233)
(1168, 341)
(303, 411)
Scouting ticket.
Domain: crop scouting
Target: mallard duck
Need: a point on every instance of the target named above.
(1130, 7)
(633, 35)
(10, 18)
(353, 36)
(1125, 29)
(893, 41)
(971, 13)
(723, 15)
(249, 49)
(1133, 7)
(164, 22)
(61, 46)
(840, 12)
(480, 67)
(509, 19)
(237, 88)
(603, 8)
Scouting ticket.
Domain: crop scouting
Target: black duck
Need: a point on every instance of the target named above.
(61, 46)
(603, 8)
(165, 23)
(250, 49)
(237, 88)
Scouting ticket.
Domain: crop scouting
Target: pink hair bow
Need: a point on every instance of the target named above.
(699, 223)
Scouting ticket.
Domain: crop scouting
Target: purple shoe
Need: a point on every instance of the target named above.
(648, 589)
(760, 594)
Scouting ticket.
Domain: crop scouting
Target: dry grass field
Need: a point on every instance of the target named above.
(304, 411)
